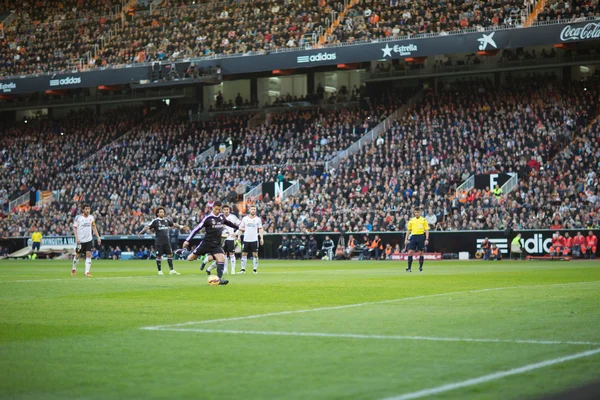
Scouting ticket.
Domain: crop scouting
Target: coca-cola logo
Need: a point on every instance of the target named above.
(588, 31)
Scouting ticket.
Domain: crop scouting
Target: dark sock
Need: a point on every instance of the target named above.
(421, 259)
(410, 258)
(170, 261)
(220, 268)
(158, 264)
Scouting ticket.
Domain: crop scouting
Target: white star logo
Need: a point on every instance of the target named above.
(485, 40)
(387, 50)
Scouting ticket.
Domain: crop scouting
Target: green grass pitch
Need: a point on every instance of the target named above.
(299, 330)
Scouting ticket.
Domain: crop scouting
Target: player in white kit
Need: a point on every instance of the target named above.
(83, 226)
(252, 228)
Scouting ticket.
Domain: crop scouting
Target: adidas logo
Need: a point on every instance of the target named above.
(502, 244)
(317, 57)
(71, 80)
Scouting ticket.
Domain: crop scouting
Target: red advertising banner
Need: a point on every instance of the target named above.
(426, 256)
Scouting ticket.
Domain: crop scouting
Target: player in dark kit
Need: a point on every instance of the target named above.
(213, 225)
(160, 225)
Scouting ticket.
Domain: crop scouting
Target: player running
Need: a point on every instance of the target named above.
(418, 230)
(252, 227)
(83, 226)
(211, 244)
(160, 225)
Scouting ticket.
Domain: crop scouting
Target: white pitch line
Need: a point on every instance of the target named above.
(492, 377)
(71, 279)
(358, 305)
(371, 337)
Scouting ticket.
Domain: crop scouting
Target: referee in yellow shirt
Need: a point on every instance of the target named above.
(36, 240)
(417, 237)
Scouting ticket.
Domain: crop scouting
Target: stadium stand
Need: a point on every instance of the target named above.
(156, 163)
(468, 128)
(57, 36)
(533, 126)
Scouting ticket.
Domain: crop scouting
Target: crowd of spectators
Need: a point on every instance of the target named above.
(56, 36)
(37, 148)
(536, 127)
(158, 163)
(467, 128)
(570, 10)
(380, 19)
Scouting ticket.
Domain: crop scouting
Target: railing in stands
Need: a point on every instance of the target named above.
(537, 6)
(25, 198)
(291, 191)
(253, 195)
(155, 4)
(511, 184)
(223, 154)
(6, 22)
(205, 155)
(372, 134)
(466, 185)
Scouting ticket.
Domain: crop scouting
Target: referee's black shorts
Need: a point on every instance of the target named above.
(208, 248)
(417, 242)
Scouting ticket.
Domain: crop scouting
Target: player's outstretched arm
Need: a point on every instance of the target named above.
(146, 227)
(231, 224)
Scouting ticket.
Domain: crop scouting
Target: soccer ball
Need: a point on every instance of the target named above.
(213, 280)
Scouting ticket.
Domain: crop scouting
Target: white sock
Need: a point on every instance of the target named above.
(232, 262)
(75, 261)
(88, 265)
(225, 265)
(244, 259)
(255, 260)
(211, 266)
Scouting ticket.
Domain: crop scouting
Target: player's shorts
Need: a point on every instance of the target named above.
(229, 246)
(163, 248)
(417, 242)
(208, 248)
(250, 247)
(36, 245)
(85, 247)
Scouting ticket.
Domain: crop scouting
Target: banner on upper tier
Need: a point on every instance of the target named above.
(492, 40)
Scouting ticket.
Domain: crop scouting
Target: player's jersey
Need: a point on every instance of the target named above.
(591, 240)
(213, 228)
(578, 241)
(251, 226)
(84, 227)
(557, 241)
(161, 226)
(417, 226)
(230, 231)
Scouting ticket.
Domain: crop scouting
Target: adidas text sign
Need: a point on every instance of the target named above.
(317, 58)
(71, 80)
